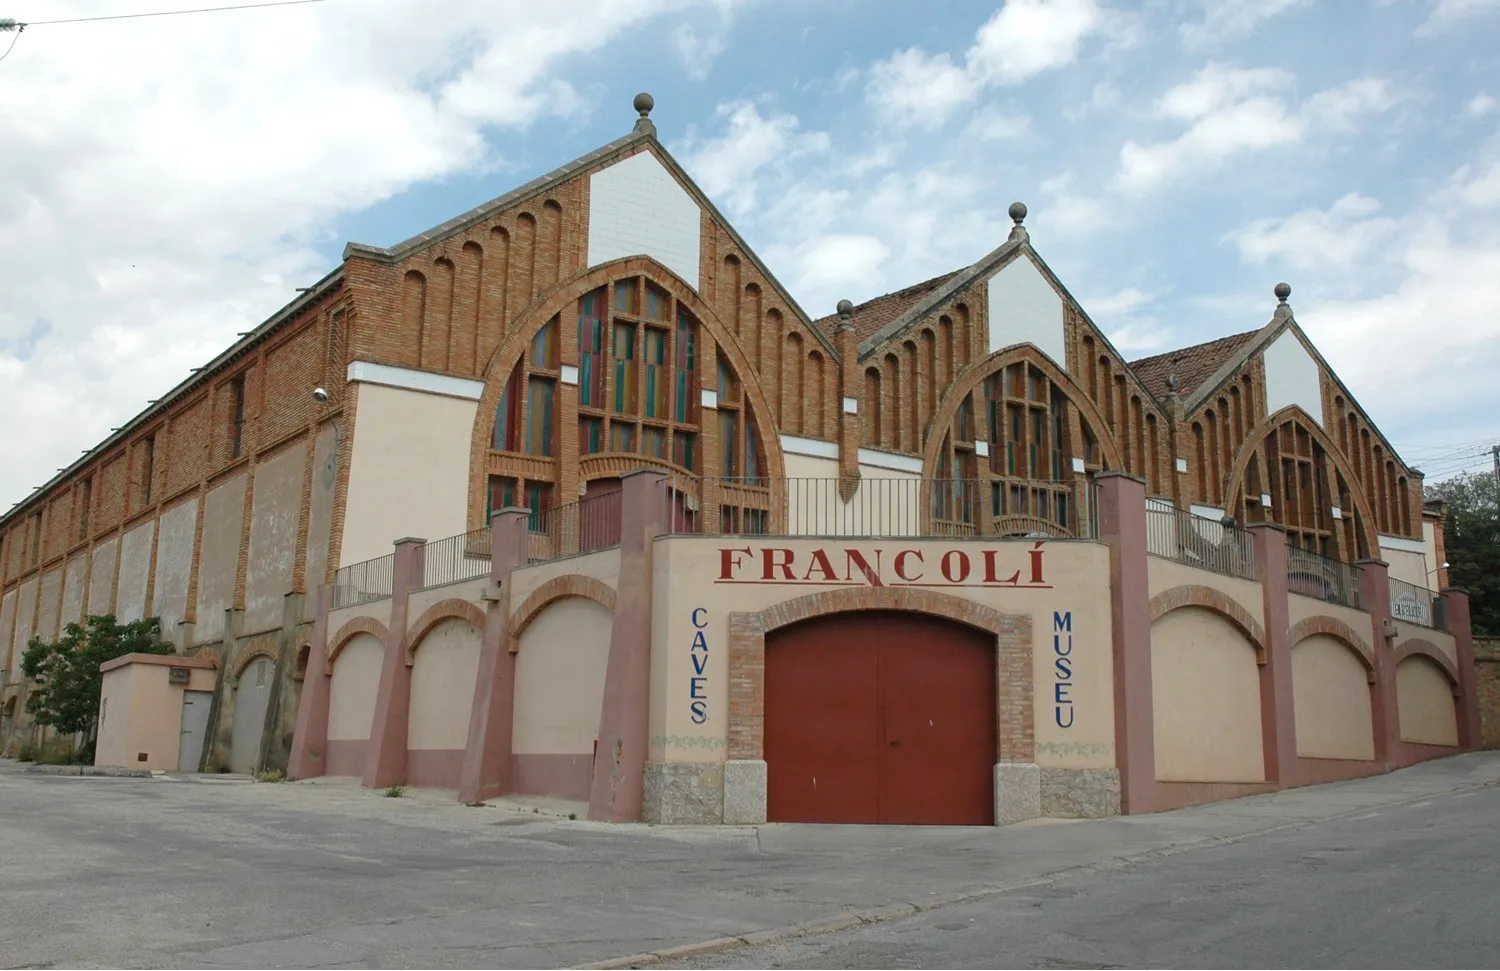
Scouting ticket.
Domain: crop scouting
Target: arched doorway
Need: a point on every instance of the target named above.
(252, 697)
(880, 717)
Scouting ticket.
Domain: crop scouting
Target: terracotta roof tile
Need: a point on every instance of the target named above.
(1192, 365)
(872, 315)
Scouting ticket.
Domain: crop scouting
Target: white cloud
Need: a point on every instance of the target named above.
(1480, 190)
(1232, 111)
(835, 264)
(993, 125)
(698, 53)
(727, 167)
(1126, 318)
(1022, 39)
(1450, 14)
(1227, 20)
(168, 179)
(1066, 212)
(1337, 236)
(1480, 105)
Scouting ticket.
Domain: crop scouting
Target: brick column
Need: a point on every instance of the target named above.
(1375, 596)
(624, 723)
(487, 756)
(385, 758)
(1456, 610)
(310, 739)
(1122, 527)
(1278, 718)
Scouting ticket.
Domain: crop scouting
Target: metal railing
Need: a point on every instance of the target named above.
(364, 582)
(457, 558)
(591, 523)
(1314, 575)
(1198, 541)
(871, 507)
(1418, 605)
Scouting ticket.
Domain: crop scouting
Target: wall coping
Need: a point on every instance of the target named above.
(162, 660)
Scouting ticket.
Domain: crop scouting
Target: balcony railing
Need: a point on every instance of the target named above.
(1418, 605)
(1315, 575)
(1199, 541)
(882, 507)
(591, 523)
(365, 582)
(457, 558)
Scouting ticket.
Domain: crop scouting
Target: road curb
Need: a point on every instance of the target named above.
(99, 771)
(897, 911)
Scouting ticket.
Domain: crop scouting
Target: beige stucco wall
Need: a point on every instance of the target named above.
(409, 473)
(1444, 642)
(51, 604)
(7, 617)
(114, 725)
(354, 687)
(75, 581)
(102, 576)
(1300, 608)
(218, 560)
(135, 572)
(560, 671)
(1163, 574)
(442, 687)
(1331, 700)
(689, 576)
(419, 600)
(1205, 699)
(320, 514)
(174, 565)
(376, 610)
(25, 616)
(1424, 702)
(602, 565)
(142, 712)
(274, 517)
(1408, 566)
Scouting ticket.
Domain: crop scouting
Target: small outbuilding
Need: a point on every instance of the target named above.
(153, 711)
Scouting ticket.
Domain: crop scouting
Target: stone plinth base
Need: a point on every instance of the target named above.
(1081, 793)
(744, 792)
(1018, 792)
(683, 793)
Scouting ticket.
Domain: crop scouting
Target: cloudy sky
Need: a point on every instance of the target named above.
(168, 182)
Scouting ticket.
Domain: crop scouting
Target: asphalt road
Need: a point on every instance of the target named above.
(1398, 870)
(1412, 886)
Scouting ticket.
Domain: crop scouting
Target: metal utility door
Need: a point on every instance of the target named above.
(880, 717)
(251, 698)
(196, 706)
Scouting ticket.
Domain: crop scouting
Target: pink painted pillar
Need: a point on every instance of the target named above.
(487, 757)
(1375, 596)
(1278, 718)
(1456, 611)
(310, 740)
(1122, 526)
(385, 758)
(624, 723)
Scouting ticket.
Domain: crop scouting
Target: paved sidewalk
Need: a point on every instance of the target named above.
(163, 872)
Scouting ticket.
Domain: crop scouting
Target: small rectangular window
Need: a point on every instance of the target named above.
(591, 351)
(624, 352)
(622, 437)
(539, 416)
(656, 303)
(538, 500)
(683, 450)
(544, 347)
(500, 495)
(590, 435)
(625, 302)
(507, 414)
(727, 443)
(654, 442)
(656, 378)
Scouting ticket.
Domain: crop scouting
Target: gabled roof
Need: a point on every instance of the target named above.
(872, 316)
(1192, 365)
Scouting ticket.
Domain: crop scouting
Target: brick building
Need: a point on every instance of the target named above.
(504, 379)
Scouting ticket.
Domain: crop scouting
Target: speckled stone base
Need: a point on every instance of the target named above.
(744, 792)
(1018, 793)
(683, 793)
(1080, 793)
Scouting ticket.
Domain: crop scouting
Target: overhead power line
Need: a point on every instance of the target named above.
(171, 13)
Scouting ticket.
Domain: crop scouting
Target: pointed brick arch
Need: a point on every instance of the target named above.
(559, 298)
(972, 377)
(347, 633)
(1014, 703)
(1216, 601)
(572, 585)
(1417, 647)
(450, 609)
(1257, 436)
(1338, 630)
(250, 658)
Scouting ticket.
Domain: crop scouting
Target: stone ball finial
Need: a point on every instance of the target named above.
(1283, 291)
(1018, 212)
(1173, 383)
(845, 308)
(644, 103)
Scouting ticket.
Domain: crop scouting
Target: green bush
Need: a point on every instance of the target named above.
(396, 791)
(26, 752)
(270, 775)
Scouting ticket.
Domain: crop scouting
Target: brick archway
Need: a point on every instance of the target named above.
(347, 633)
(250, 658)
(1014, 703)
(572, 585)
(450, 609)
(1338, 630)
(1194, 595)
(1417, 647)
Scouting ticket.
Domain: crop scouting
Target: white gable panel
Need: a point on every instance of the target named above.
(636, 208)
(1024, 309)
(1292, 377)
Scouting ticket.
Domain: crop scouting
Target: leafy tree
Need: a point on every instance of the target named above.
(65, 675)
(1472, 541)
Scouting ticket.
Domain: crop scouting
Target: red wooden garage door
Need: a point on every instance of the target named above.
(875, 717)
